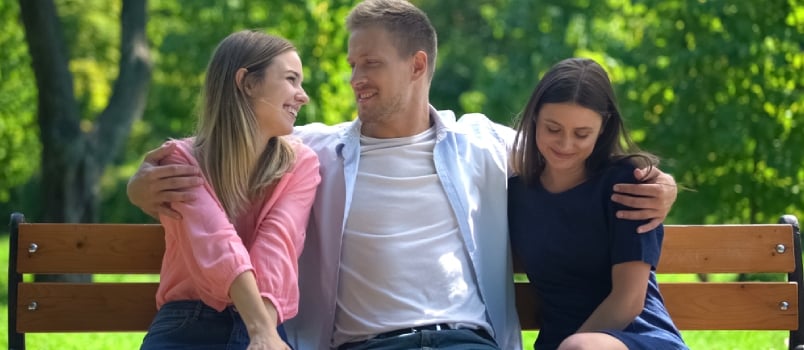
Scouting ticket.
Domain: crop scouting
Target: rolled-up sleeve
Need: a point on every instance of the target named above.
(205, 241)
(281, 233)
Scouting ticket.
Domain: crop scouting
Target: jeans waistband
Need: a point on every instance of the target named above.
(196, 307)
(413, 330)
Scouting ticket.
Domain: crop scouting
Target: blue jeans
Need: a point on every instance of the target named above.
(453, 339)
(193, 325)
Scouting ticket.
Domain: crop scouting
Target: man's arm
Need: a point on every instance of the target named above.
(154, 186)
(652, 199)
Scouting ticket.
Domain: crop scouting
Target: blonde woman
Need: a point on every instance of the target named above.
(229, 276)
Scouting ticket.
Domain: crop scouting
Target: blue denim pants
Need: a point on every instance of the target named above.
(453, 339)
(193, 325)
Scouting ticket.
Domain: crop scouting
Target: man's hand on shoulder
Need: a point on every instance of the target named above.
(651, 199)
(154, 186)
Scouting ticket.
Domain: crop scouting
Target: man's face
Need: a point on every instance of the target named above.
(381, 78)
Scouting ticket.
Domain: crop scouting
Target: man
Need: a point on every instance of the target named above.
(407, 245)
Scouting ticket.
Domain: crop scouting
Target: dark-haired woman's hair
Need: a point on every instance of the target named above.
(585, 83)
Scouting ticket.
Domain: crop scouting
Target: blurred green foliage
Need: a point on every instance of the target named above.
(19, 138)
(712, 86)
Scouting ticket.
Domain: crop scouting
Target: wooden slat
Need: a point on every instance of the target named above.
(70, 307)
(709, 306)
(736, 306)
(726, 249)
(90, 248)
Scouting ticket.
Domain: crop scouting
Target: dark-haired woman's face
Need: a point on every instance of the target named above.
(566, 135)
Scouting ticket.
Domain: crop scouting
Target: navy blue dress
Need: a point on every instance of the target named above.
(568, 243)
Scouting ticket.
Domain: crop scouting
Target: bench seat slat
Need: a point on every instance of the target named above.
(732, 306)
(727, 249)
(709, 306)
(86, 307)
(95, 248)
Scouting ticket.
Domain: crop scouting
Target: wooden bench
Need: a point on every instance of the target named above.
(80, 249)
(697, 249)
(137, 249)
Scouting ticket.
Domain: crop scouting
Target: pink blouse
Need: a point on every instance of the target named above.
(204, 252)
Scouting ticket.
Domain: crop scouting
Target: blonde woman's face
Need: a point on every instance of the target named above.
(280, 95)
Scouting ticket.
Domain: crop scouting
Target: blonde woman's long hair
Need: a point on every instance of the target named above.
(227, 134)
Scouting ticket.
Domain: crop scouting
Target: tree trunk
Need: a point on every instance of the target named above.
(73, 160)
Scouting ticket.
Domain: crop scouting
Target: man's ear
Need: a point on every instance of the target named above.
(419, 64)
(242, 84)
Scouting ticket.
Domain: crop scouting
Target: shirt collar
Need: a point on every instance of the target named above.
(443, 120)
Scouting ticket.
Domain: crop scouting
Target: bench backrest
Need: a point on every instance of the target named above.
(695, 249)
(138, 249)
(81, 249)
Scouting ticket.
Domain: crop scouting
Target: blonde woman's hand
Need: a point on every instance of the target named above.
(267, 341)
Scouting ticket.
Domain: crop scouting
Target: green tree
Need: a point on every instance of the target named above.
(19, 142)
(76, 149)
(719, 86)
(714, 87)
(183, 35)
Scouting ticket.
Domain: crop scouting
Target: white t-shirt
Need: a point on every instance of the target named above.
(403, 260)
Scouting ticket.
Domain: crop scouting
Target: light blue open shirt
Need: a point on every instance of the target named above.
(471, 157)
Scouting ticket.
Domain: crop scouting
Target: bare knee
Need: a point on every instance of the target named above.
(589, 341)
(576, 342)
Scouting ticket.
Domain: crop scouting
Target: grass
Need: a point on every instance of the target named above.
(721, 340)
